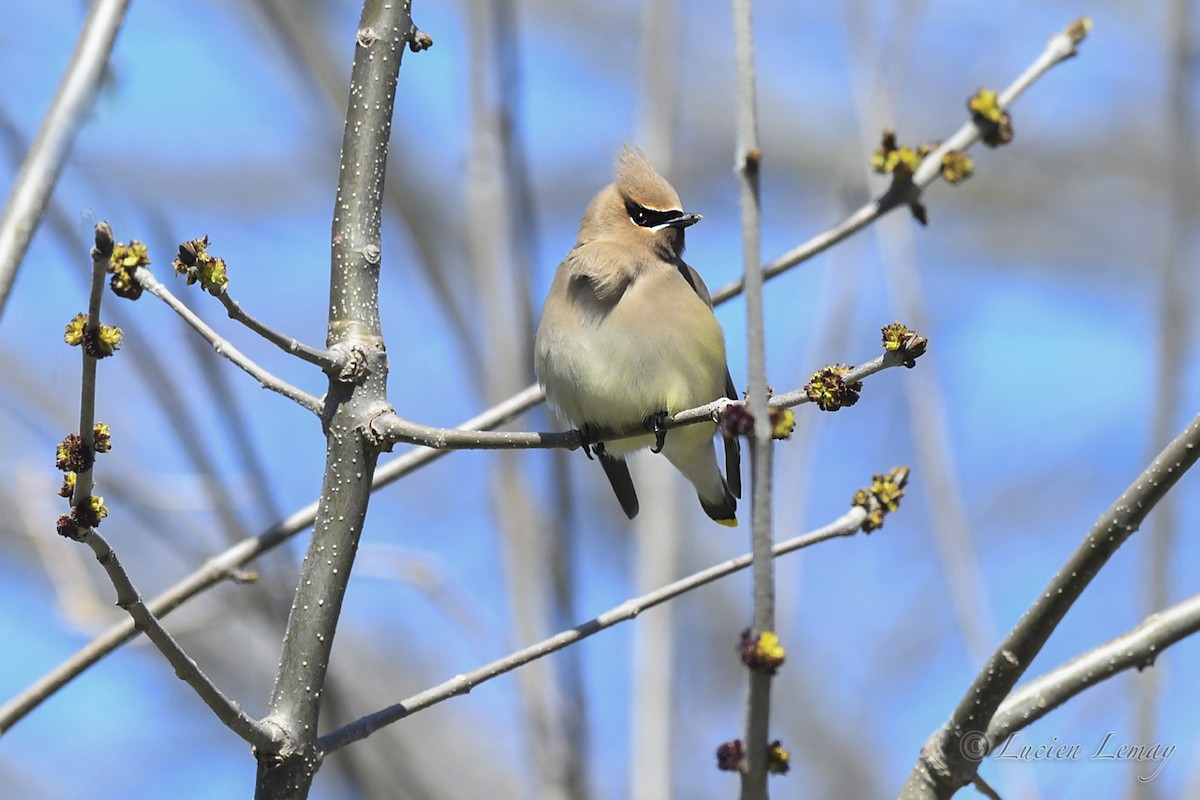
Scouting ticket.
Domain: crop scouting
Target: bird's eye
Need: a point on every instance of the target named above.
(648, 218)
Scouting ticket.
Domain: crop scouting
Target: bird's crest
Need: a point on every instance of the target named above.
(637, 180)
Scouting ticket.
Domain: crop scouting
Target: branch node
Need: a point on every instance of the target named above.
(898, 338)
(731, 756)
(881, 498)
(103, 248)
(355, 368)
(829, 389)
(762, 653)
(1078, 30)
(366, 37)
(419, 40)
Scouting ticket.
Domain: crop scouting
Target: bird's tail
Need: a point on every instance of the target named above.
(618, 475)
(721, 510)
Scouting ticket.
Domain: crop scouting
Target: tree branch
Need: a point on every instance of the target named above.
(389, 428)
(147, 281)
(1161, 548)
(228, 564)
(1061, 47)
(1135, 649)
(39, 173)
(325, 359)
(256, 734)
(353, 400)
(84, 531)
(951, 756)
(749, 156)
(101, 251)
(846, 525)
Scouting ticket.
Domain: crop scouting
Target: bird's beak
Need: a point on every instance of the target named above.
(681, 220)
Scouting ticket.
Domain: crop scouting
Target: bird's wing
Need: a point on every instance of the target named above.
(733, 447)
(695, 281)
(606, 267)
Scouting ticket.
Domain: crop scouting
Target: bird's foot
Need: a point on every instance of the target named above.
(656, 423)
(587, 441)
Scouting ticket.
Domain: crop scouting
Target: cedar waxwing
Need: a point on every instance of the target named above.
(628, 335)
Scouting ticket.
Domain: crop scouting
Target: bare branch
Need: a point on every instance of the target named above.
(846, 525)
(951, 756)
(220, 568)
(229, 563)
(82, 523)
(1136, 649)
(389, 428)
(1060, 48)
(39, 173)
(230, 713)
(101, 251)
(326, 360)
(749, 156)
(151, 284)
(385, 29)
(1161, 549)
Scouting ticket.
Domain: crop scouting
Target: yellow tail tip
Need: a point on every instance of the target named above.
(728, 523)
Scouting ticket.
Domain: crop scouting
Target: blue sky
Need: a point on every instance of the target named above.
(1037, 275)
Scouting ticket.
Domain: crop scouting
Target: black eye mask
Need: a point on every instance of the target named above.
(649, 218)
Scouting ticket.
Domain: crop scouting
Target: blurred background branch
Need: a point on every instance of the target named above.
(39, 172)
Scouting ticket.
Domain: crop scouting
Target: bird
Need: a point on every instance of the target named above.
(627, 337)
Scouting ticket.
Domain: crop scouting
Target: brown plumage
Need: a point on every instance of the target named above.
(627, 332)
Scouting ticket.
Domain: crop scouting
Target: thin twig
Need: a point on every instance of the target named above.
(223, 347)
(228, 564)
(230, 713)
(127, 596)
(216, 570)
(749, 156)
(1135, 649)
(1061, 47)
(389, 428)
(951, 756)
(985, 789)
(846, 525)
(39, 173)
(101, 251)
(328, 361)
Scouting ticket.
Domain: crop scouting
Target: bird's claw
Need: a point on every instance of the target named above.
(656, 423)
(586, 436)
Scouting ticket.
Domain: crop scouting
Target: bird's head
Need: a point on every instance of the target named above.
(640, 208)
